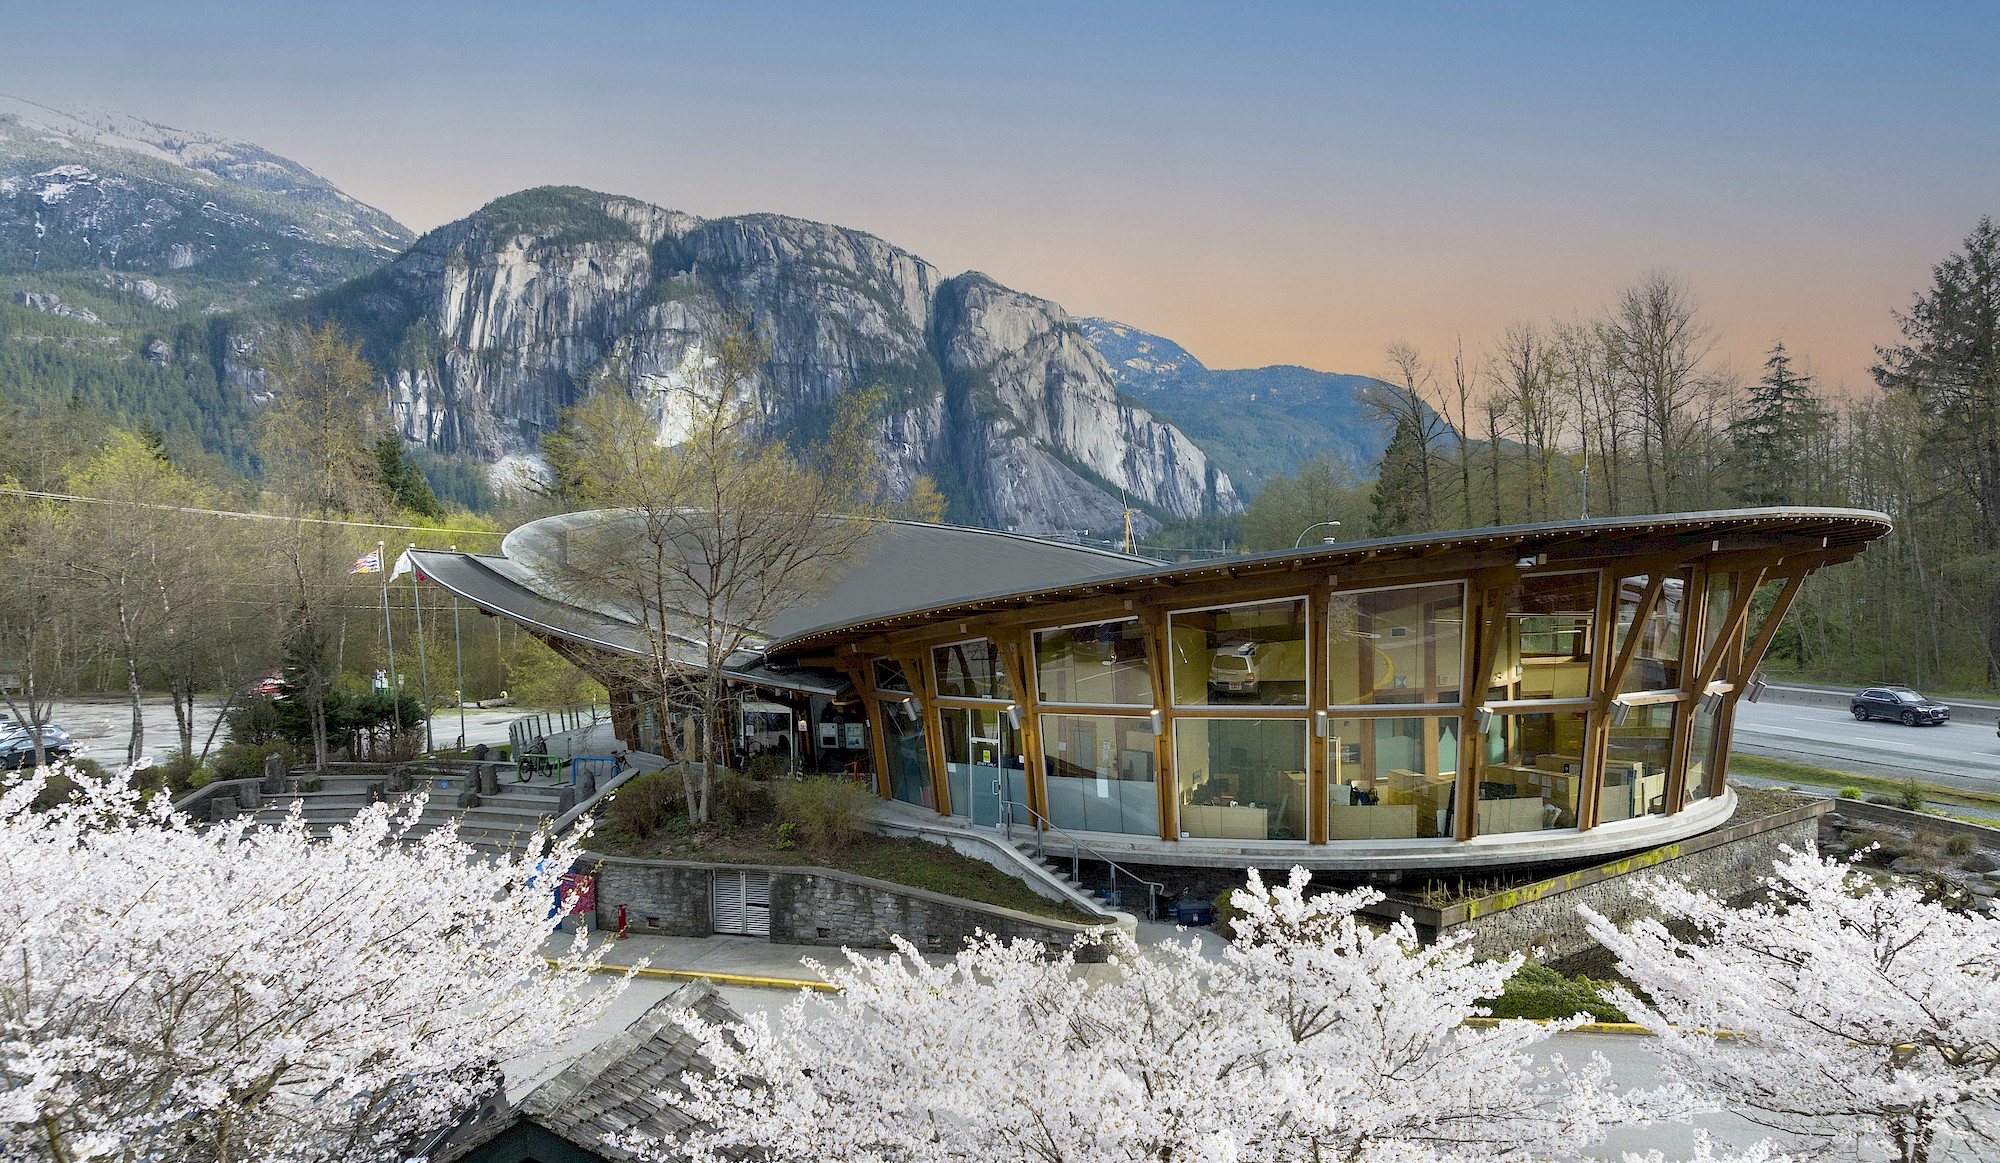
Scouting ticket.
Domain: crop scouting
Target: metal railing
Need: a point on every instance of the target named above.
(522, 732)
(1042, 826)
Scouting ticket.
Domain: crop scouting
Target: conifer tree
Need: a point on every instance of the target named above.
(1771, 437)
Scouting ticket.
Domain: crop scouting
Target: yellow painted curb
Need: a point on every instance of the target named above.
(1586, 1028)
(738, 979)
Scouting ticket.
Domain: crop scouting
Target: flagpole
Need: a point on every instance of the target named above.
(423, 667)
(389, 635)
(458, 653)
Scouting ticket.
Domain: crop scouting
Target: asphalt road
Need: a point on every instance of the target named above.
(1955, 754)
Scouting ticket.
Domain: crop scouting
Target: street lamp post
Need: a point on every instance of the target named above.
(1310, 528)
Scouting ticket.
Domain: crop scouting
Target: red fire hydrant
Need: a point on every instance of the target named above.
(621, 923)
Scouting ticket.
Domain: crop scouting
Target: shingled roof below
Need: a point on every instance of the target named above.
(613, 1089)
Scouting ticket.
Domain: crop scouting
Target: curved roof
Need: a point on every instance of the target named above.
(913, 573)
(1838, 533)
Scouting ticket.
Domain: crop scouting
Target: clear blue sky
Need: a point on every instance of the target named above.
(1262, 183)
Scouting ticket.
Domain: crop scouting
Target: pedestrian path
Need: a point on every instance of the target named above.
(754, 963)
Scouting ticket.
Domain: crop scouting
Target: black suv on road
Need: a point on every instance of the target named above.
(1898, 702)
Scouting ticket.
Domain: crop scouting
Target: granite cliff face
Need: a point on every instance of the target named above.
(487, 327)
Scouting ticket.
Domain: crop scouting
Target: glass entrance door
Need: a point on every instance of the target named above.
(983, 764)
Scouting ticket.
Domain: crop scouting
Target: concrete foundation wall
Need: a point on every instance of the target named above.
(1541, 919)
(811, 906)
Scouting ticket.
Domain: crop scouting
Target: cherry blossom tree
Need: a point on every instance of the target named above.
(1314, 1037)
(1852, 1015)
(234, 992)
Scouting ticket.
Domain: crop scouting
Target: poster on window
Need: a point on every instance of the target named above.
(856, 739)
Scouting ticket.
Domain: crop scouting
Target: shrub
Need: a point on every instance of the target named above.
(1960, 845)
(1910, 796)
(788, 833)
(829, 812)
(246, 760)
(1540, 992)
(1850, 793)
(642, 804)
(739, 799)
(1226, 912)
(768, 768)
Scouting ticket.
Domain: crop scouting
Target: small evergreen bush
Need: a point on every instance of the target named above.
(1540, 992)
(1850, 793)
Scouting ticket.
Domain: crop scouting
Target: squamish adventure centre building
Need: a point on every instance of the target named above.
(1485, 698)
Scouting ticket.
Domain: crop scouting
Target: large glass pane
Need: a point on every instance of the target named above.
(1656, 664)
(1402, 645)
(1635, 764)
(1103, 664)
(1241, 654)
(1242, 779)
(909, 765)
(971, 670)
(1534, 772)
(1717, 601)
(1098, 773)
(1545, 653)
(889, 676)
(1390, 778)
(983, 766)
(1701, 758)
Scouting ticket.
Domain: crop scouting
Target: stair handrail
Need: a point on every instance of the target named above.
(1154, 889)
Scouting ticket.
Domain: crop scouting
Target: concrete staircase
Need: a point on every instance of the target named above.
(499, 822)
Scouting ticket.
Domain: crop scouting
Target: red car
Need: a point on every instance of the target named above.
(269, 687)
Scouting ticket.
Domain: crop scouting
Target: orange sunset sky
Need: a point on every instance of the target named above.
(1264, 184)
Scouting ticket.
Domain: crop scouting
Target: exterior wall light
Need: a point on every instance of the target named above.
(1482, 719)
(1619, 709)
(1319, 723)
(1159, 723)
(1014, 715)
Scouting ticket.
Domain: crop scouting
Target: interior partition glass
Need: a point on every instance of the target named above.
(1402, 645)
(1253, 653)
(1701, 754)
(1097, 772)
(1635, 763)
(1242, 779)
(1391, 779)
(1102, 665)
(1533, 774)
(971, 670)
(1656, 663)
(982, 762)
(1545, 653)
(909, 764)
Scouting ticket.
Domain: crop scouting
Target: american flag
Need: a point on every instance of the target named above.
(369, 562)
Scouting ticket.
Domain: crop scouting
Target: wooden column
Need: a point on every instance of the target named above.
(1020, 656)
(1486, 622)
(1597, 729)
(1159, 665)
(1318, 699)
(863, 677)
(918, 668)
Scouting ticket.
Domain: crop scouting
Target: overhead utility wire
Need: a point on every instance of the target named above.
(247, 516)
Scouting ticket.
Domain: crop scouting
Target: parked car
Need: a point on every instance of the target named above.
(18, 749)
(1234, 671)
(1898, 702)
(269, 686)
(51, 733)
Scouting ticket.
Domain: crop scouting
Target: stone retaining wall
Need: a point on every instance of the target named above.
(1541, 919)
(810, 906)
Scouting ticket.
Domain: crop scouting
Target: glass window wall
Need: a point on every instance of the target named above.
(1098, 773)
(1635, 763)
(1402, 645)
(1100, 665)
(1242, 779)
(889, 676)
(1717, 602)
(1533, 774)
(1391, 779)
(1701, 757)
(971, 670)
(1546, 651)
(1252, 653)
(1656, 664)
(909, 763)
